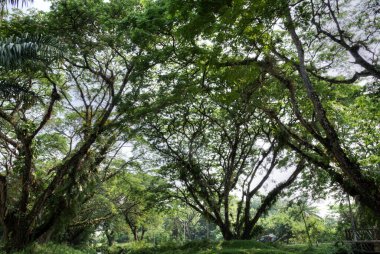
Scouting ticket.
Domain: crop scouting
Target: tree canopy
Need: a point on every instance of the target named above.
(128, 107)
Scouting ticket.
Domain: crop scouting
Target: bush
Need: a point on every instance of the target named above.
(341, 250)
(52, 248)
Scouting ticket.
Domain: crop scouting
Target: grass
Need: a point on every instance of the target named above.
(52, 248)
(230, 247)
(195, 247)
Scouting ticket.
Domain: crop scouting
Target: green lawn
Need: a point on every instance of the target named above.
(197, 247)
(230, 247)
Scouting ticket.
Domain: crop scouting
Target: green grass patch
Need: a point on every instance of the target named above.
(194, 247)
(227, 247)
(52, 248)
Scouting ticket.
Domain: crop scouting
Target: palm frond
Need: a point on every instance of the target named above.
(14, 51)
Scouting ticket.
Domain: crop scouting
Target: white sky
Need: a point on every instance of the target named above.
(41, 5)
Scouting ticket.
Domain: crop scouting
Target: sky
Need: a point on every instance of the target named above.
(41, 5)
(38, 4)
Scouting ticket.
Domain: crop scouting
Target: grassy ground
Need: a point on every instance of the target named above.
(203, 247)
(52, 248)
(230, 247)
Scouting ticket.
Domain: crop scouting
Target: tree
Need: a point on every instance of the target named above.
(280, 40)
(304, 211)
(22, 50)
(213, 147)
(353, 29)
(358, 181)
(143, 199)
(226, 92)
(102, 207)
(298, 221)
(76, 101)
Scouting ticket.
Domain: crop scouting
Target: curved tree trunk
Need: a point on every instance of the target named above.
(368, 190)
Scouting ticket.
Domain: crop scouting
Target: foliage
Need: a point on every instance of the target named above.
(293, 44)
(52, 248)
(213, 146)
(232, 104)
(299, 222)
(16, 51)
(77, 103)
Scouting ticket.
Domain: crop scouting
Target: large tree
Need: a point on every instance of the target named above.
(219, 152)
(302, 46)
(57, 133)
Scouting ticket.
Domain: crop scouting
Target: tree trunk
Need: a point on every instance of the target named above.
(306, 228)
(18, 235)
(110, 237)
(143, 231)
(227, 234)
(135, 235)
(367, 188)
(46, 237)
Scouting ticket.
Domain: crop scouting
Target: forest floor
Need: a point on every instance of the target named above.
(196, 247)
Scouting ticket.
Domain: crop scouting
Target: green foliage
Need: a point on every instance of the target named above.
(15, 51)
(297, 222)
(210, 85)
(52, 248)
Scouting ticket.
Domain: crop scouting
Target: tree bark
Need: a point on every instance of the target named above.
(227, 233)
(110, 234)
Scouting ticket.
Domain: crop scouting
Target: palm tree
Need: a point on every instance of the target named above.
(302, 210)
(17, 51)
(306, 211)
